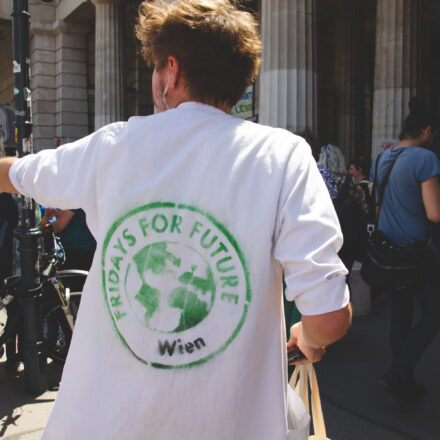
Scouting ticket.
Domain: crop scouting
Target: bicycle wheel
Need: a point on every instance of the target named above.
(57, 330)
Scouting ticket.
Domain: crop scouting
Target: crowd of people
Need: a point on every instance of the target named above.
(408, 213)
(198, 218)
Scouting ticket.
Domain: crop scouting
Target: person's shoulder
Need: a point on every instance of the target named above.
(135, 121)
(156, 122)
(112, 130)
(421, 163)
(420, 151)
(386, 154)
(422, 157)
(108, 134)
(384, 158)
(108, 137)
(277, 139)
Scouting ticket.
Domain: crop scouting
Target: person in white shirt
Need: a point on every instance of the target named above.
(196, 215)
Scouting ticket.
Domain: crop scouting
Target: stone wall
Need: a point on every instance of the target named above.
(71, 81)
(58, 76)
(42, 73)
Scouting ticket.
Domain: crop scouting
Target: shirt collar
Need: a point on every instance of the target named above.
(206, 108)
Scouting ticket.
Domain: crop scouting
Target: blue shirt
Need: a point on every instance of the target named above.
(402, 215)
(330, 181)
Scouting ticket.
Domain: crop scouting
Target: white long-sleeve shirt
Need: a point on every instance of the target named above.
(180, 331)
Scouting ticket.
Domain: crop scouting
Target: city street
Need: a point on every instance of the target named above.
(355, 406)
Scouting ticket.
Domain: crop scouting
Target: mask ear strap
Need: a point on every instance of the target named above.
(164, 94)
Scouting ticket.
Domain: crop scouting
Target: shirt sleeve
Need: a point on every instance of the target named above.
(64, 178)
(307, 239)
(428, 166)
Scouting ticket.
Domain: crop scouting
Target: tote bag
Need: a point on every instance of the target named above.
(304, 379)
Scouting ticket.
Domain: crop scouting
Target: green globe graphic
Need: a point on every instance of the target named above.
(177, 287)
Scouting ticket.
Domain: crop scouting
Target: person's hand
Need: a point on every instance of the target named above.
(51, 212)
(298, 338)
(48, 214)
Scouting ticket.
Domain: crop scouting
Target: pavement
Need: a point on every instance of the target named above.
(355, 406)
(23, 417)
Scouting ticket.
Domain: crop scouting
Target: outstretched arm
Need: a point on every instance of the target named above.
(5, 183)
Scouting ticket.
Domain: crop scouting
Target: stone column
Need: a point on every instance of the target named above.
(288, 72)
(71, 81)
(43, 74)
(394, 79)
(347, 75)
(109, 84)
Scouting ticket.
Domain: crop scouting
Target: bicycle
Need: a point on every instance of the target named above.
(59, 303)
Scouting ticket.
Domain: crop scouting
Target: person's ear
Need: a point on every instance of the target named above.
(174, 69)
(427, 132)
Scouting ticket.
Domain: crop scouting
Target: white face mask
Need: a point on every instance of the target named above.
(164, 94)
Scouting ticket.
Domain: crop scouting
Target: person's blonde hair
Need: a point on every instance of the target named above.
(332, 158)
(217, 46)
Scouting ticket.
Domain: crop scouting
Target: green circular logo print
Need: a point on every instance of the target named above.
(175, 283)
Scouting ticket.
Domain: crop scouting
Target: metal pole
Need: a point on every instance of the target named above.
(28, 232)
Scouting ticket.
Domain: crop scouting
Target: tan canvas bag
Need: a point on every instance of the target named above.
(302, 381)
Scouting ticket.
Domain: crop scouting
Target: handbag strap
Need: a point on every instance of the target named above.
(303, 377)
(386, 179)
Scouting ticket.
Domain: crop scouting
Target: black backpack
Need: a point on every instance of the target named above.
(352, 217)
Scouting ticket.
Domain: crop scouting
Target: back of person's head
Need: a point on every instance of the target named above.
(311, 139)
(419, 119)
(216, 45)
(331, 157)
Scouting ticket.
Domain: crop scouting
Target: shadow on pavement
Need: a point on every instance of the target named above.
(14, 397)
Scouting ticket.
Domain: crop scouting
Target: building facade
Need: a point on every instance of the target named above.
(344, 69)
